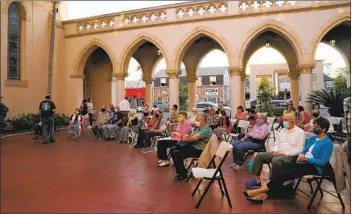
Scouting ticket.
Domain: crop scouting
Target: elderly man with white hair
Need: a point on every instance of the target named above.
(254, 139)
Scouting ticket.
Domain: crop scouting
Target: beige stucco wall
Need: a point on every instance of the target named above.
(232, 30)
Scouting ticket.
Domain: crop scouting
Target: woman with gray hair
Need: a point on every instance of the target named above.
(131, 123)
(254, 140)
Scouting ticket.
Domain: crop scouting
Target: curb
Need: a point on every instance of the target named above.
(25, 133)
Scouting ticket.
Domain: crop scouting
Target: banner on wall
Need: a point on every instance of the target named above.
(211, 92)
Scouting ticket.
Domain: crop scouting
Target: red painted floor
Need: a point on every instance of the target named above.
(105, 177)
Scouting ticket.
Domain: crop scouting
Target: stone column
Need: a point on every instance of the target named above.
(306, 85)
(235, 83)
(120, 87)
(294, 89)
(173, 87)
(192, 92)
(348, 78)
(243, 91)
(148, 93)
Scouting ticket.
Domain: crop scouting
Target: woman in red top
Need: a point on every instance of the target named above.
(240, 115)
(224, 122)
(303, 117)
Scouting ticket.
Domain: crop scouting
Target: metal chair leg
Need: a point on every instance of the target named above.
(222, 192)
(339, 196)
(195, 189)
(299, 180)
(204, 193)
(226, 192)
(315, 193)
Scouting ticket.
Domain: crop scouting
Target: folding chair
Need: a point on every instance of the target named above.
(260, 149)
(338, 133)
(213, 174)
(330, 176)
(271, 121)
(243, 124)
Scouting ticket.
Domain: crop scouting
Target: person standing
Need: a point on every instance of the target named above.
(125, 105)
(47, 110)
(90, 112)
(84, 113)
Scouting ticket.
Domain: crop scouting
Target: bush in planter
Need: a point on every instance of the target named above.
(26, 122)
(3, 113)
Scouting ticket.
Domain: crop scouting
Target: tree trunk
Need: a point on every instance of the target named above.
(51, 47)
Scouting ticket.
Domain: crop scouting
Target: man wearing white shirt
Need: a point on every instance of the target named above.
(125, 105)
(289, 143)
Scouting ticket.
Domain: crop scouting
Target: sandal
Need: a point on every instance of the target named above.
(164, 164)
(160, 161)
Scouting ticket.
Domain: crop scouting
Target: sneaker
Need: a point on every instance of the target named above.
(146, 150)
(180, 178)
(233, 166)
(253, 183)
(239, 168)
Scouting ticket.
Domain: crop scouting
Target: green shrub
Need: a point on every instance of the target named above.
(26, 122)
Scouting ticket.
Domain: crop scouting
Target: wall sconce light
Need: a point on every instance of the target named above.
(158, 52)
(332, 42)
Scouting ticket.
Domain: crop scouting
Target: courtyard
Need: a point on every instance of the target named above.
(94, 176)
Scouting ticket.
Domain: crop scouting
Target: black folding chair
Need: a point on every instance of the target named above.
(328, 174)
(213, 173)
(260, 149)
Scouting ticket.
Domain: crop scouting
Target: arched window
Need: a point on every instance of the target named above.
(14, 41)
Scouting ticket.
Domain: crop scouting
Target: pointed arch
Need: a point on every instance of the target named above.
(193, 36)
(86, 51)
(133, 46)
(331, 24)
(275, 26)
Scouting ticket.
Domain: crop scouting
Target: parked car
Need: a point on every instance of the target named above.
(279, 106)
(200, 107)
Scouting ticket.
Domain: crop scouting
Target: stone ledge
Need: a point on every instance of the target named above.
(16, 83)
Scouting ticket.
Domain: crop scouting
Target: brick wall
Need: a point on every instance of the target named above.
(163, 94)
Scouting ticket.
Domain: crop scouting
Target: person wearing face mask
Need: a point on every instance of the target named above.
(308, 128)
(75, 126)
(131, 124)
(213, 119)
(116, 123)
(224, 123)
(288, 144)
(254, 139)
(289, 110)
(191, 146)
(313, 160)
(155, 127)
(102, 119)
(183, 128)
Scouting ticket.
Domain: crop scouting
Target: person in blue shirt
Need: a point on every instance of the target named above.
(311, 161)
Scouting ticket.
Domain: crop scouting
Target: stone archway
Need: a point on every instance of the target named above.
(147, 50)
(275, 35)
(95, 67)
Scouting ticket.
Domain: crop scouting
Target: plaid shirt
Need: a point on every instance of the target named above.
(347, 113)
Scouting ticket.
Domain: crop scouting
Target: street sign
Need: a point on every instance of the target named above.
(211, 92)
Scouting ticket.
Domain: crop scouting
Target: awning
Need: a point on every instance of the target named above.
(135, 92)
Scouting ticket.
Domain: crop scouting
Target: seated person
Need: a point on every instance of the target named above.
(131, 123)
(116, 122)
(213, 119)
(240, 115)
(313, 160)
(224, 123)
(174, 113)
(308, 128)
(288, 145)
(75, 126)
(289, 110)
(192, 118)
(252, 118)
(220, 108)
(102, 119)
(254, 139)
(183, 128)
(151, 130)
(146, 112)
(304, 117)
(190, 146)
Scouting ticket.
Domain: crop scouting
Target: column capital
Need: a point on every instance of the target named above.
(306, 68)
(293, 75)
(173, 74)
(120, 76)
(235, 71)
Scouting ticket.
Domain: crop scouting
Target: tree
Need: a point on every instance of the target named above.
(138, 68)
(264, 95)
(340, 82)
(183, 96)
(51, 46)
(332, 99)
